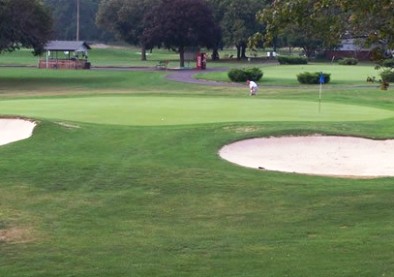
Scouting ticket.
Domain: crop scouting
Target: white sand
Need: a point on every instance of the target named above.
(318, 155)
(15, 129)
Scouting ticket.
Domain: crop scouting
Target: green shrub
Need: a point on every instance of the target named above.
(388, 63)
(254, 74)
(387, 75)
(348, 61)
(241, 75)
(312, 77)
(292, 60)
(237, 75)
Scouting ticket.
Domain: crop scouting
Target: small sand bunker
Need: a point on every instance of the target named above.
(14, 129)
(317, 155)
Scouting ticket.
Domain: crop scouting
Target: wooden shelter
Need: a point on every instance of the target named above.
(65, 55)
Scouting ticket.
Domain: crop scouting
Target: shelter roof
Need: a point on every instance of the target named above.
(66, 45)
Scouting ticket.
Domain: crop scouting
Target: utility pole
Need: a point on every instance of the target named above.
(77, 38)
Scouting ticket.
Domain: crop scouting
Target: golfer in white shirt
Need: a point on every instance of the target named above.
(252, 87)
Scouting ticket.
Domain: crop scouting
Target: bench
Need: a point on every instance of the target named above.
(162, 65)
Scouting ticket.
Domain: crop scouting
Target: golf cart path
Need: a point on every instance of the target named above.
(178, 75)
(187, 76)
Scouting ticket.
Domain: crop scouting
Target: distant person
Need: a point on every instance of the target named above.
(252, 87)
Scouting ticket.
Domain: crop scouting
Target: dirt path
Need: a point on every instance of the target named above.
(187, 76)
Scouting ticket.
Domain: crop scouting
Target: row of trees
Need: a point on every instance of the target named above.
(149, 23)
(64, 13)
(310, 24)
(182, 23)
(179, 24)
(319, 24)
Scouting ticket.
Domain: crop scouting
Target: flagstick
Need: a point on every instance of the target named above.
(320, 89)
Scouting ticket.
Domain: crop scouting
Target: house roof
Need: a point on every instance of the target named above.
(63, 45)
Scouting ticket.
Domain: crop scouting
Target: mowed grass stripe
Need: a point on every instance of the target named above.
(156, 110)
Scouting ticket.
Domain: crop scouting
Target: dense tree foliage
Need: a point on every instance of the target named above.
(236, 18)
(314, 24)
(65, 20)
(125, 19)
(310, 24)
(218, 8)
(24, 23)
(178, 24)
(239, 22)
(374, 19)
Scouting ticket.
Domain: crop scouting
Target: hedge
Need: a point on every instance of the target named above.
(312, 78)
(292, 60)
(244, 74)
(387, 76)
(348, 61)
(388, 63)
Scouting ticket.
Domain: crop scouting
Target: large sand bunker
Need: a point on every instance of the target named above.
(14, 129)
(318, 155)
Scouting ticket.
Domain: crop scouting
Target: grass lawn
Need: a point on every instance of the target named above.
(116, 191)
(275, 74)
(176, 110)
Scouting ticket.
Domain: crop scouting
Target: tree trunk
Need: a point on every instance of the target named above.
(243, 51)
(143, 53)
(215, 54)
(238, 51)
(182, 56)
(308, 51)
(274, 43)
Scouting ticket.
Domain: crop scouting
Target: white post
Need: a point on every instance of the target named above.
(47, 58)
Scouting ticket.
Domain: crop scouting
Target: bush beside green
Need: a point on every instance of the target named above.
(292, 60)
(387, 75)
(348, 61)
(312, 77)
(244, 74)
(388, 63)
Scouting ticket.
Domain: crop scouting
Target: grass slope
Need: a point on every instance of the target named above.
(110, 199)
(113, 201)
(275, 74)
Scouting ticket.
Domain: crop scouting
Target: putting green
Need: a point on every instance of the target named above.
(172, 110)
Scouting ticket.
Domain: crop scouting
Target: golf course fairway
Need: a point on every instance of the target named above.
(173, 110)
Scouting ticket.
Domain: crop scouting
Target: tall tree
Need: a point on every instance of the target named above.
(65, 20)
(125, 19)
(239, 22)
(311, 21)
(178, 24)
(218, 9)
(371, 18)
(310, 24)
(24, 23)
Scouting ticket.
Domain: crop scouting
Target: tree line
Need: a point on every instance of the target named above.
(320, 24)
(182, 24)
